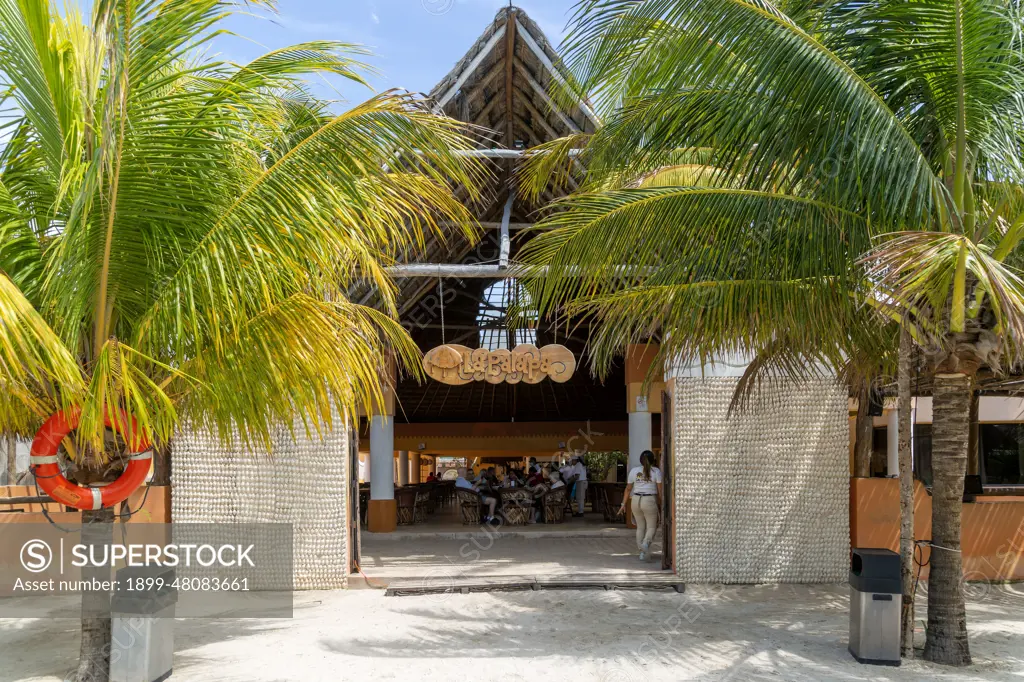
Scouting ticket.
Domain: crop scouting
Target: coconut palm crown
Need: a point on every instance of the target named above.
(177, 232)
(801, 175)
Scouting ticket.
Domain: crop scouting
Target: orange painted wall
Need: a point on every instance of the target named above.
(157, 508)
(993, 528)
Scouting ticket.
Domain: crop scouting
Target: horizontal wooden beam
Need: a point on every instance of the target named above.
(445, 270)
(496, 153)
(31, 499)
(410, 270)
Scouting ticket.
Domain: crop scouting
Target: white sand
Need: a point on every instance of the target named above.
(711, 633)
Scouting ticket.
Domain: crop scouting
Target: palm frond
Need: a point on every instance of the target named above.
(307, 355)
(271, 241)
(922, 270)
(778, 107)
(34, 363)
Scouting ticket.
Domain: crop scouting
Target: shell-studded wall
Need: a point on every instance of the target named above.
(304, 482)
(762, 496)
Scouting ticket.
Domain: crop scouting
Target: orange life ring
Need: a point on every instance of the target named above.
(52, 481)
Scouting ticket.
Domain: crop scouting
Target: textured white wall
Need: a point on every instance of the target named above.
(763, 495)
(22, 449)
(303, 482)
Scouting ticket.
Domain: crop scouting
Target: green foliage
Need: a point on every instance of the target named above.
(758, 170)
(179, 232)
(599, 463)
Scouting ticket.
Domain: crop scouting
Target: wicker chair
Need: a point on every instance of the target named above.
(422, 504)
(553, 504)
(405, 499)
(470, 505)
(612, 495)
(433, 496)
(517, 506)
(446, 493)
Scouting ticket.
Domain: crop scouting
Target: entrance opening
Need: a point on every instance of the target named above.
(504, 386)
(442, 537)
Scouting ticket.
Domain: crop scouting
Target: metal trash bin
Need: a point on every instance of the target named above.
(142, 625)
(875, 603)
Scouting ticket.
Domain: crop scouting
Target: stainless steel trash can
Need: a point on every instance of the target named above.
(142, 625)
(875, 602)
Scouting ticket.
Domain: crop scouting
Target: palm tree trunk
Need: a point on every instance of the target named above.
(947, 615)
(12, 461)
(864, 430)
(906, 470)
(972, 442)
(94, 652)
(162, 464)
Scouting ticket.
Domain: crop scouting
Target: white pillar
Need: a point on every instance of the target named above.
(382, 457)
(639, 437)
(403, 467)
(364, 468)
(415, 463)
(892, 445)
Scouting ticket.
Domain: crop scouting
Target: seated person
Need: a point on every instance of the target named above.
(554, 482)
(496, 482)
(489, 501)
(536, 476)
(517, 476)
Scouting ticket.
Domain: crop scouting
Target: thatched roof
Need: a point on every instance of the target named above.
(505, 83)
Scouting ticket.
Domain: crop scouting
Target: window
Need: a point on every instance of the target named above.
(1000, 453)
(1001, 450)
(880, 452)
(923, 453)
(506, 317)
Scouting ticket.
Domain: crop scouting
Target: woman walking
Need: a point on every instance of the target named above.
(644, 488)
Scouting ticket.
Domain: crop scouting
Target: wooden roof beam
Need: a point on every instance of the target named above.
(539, 89)
(555, 73)
(486, 50)
(482, 117)
(487, 79)
(510, 53)
(542, 120)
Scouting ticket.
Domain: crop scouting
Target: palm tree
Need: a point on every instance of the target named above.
(864, 166)
(177, 234)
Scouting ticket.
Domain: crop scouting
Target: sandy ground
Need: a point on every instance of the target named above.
(489, 556)
(710, 633)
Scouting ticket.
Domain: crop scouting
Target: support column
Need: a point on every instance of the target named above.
(403, 467)
(641, 403)
(383, 512)
(364, 467)
(382, 515)
(639, 437)
(415, 464)
(892, 445)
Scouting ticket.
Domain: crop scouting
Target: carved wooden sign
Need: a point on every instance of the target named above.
(457, 365)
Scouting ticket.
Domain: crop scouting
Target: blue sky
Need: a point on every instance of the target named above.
(414, 42)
